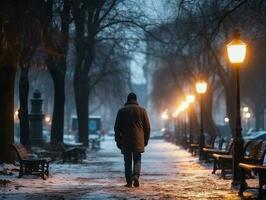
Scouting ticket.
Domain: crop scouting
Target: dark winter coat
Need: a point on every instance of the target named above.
(132, 128)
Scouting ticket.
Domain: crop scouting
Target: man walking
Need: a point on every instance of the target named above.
(132, 132)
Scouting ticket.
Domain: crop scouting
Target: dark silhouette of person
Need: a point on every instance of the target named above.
(132, 133)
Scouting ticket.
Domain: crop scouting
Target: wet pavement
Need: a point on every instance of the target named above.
(168, 172)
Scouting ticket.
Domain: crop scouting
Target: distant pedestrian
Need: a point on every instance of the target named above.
(103, 133)
(132, 132)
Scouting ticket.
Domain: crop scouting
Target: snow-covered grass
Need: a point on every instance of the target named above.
(168, 172)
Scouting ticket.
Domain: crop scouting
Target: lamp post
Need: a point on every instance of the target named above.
(226, 120)
(201, 87)
(245, 111)
(184, 105)
(165, 117)
(236, 51)
(190, 100)
(175, 120)
(247, 116)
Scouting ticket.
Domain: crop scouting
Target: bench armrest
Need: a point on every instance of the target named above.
(222, 156)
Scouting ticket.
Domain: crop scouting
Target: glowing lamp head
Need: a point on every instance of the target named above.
(201, 87)
(226, 119)
(47, 119)
(248, 115)
(165, 116)
(190, 98)
(175, 114)
(16, 113)
(245, 109)
(236, 49)
(184, 105)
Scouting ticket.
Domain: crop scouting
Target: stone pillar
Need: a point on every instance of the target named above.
(36, 119)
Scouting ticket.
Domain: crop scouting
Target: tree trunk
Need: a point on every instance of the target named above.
(7, 85)
(23, 110)
(81, 85)
(57, 71)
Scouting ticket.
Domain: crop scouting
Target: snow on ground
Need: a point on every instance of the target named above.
(168, 172)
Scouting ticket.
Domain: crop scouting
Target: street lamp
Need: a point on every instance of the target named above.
(176, 124)
(47, 119)
(165, 116)
(184, 107)
(226, 119)
(16, 113)
(247, 116)
(245, 109)
(201, 87)
(236, 51)
(190, 100)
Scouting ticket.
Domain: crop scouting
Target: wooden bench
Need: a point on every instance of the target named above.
(260, 170)
(251, 155)
(72, 153)
(195, 146)
(30, 166)
(215, 147)
(219, 150)
(213, 152)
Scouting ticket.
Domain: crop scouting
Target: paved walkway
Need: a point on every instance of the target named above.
(168, 172)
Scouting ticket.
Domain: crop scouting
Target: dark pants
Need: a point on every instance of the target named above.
(128, 157)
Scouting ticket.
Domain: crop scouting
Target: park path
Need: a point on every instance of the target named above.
(168, 172)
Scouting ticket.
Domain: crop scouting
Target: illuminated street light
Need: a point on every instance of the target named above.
(184, 105)
(236, 51)
(47, 119)
(16, 113)
(190, 98)
(16, 116)
(175, 120)
(201, 87)
(226, 119)
(245, 109)
(175, 114)
(165, 116)
(247, 115)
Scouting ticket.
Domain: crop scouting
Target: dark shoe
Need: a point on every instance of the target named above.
(128, 185)
(135, 180)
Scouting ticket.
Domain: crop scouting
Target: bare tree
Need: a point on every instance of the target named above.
(95, 20)
(9, 36)
(29, 41)
(56, 20)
